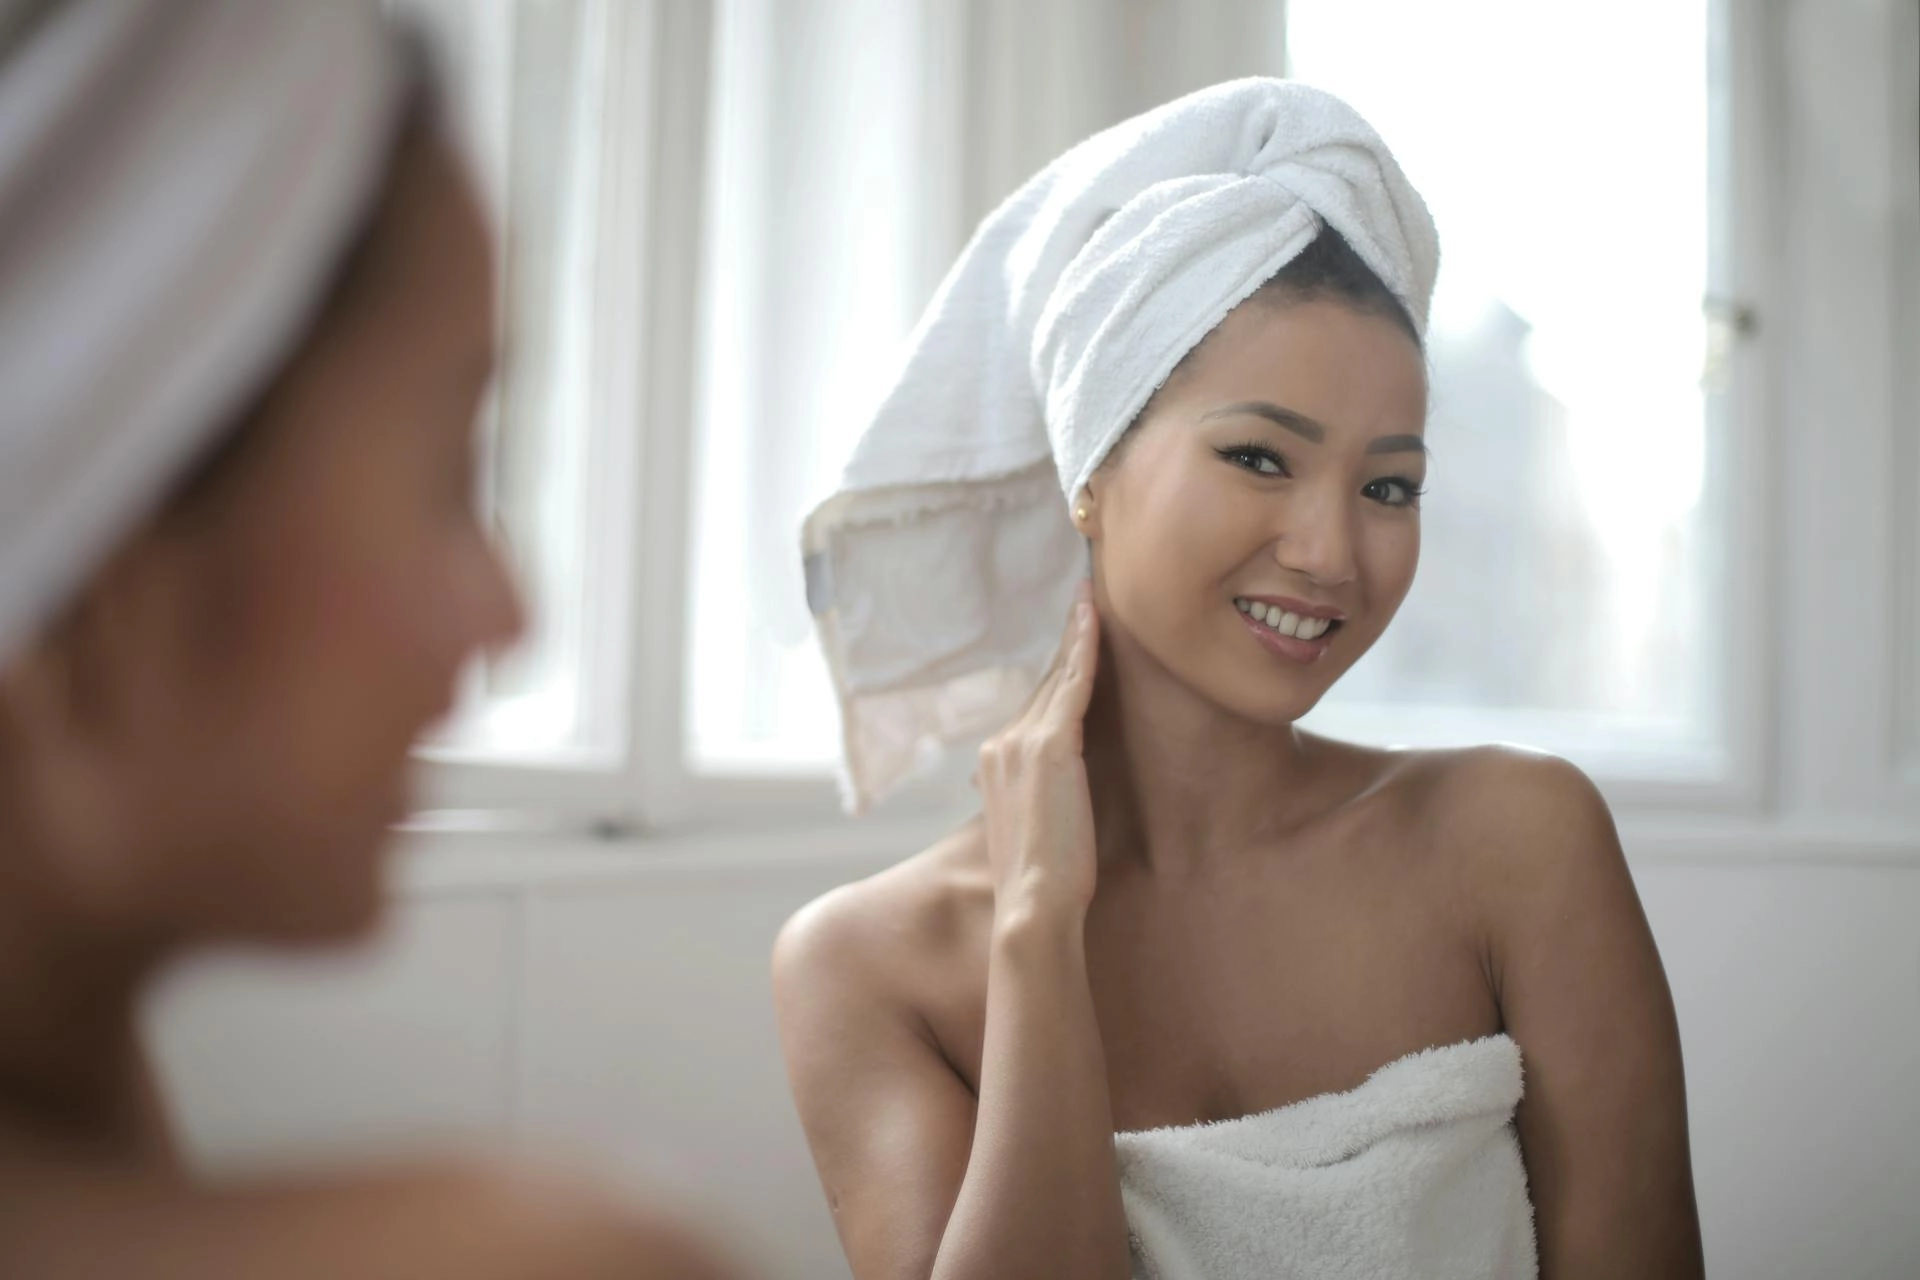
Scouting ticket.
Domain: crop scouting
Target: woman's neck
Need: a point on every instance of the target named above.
(72, 1067)
(1177, 781)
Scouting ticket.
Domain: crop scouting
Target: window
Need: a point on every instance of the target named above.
(553, 102)
(855, 145)
(1571, 589)
(720, 221)
(1570, 592)
(527, 83)
(817, 263)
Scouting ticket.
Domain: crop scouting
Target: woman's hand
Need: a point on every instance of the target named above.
(1011, 1173)
(1033, 776)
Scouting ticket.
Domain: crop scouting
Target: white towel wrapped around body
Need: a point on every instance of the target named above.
(940, 571)
(1416, 1173)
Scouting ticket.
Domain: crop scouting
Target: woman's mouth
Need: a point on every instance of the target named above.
(1298, 636)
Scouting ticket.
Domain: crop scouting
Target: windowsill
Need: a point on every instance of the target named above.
(456, 863)
(477, 860)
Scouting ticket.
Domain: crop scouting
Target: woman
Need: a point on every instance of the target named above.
(245, 319)
(1178, 908)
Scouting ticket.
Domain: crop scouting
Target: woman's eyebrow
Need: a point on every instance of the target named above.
(1298, 423)
(1398, 444)
(1306, 428)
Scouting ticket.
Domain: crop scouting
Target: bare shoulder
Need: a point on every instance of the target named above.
(886, 935)
(870, 982)
(79, 1219)
(547, 1222)
(1527, 835)
(1576, 973)
(1509, 810)
(1532, 835)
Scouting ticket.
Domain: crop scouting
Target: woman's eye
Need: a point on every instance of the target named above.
(1394, 492)
(1257, 458)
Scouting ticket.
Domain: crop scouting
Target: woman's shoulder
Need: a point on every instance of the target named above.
(1492, 783)
(893, 928)
(80, 1218)
(1512, 813)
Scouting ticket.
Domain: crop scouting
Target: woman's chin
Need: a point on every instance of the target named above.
(343, 890)
(340, 916)
(1277, 699)
(1285, 714)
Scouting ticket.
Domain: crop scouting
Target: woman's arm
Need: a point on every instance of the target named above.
(1603, 1126)
(923, 1181)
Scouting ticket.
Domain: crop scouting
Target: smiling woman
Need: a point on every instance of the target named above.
(1178, 907)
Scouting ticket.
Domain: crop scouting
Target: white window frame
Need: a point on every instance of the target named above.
(1905, 263)
(646, 327)
(648, 228)
(1841, 232)
(659, 59)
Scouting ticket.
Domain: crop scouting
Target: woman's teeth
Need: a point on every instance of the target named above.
(1287, 624)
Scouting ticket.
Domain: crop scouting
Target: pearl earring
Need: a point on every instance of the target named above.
(1080, 514)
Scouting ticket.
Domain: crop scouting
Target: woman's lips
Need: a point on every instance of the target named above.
(1291, 647)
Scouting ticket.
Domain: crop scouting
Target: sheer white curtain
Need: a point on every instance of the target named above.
(855, 144)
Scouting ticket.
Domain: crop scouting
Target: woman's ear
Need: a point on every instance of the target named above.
(66, 803)
(126, 640)
(89, 706)
(35, 689)
(1086, 512)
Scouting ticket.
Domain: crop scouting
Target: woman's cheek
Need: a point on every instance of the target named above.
(1404, 549)
(369, 630)
(1394, 551)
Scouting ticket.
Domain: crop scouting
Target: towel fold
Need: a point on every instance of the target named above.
(1416, 1173)
(178, 181)
(940, 571)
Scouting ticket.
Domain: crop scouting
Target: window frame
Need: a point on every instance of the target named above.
(1905, 252)
(648, 189)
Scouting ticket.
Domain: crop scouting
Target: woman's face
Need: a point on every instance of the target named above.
(1261, 526)
(294, 624)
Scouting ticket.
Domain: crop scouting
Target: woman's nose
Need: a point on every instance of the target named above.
(1316, 540)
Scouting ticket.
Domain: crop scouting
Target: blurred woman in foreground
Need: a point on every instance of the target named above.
(245, 319)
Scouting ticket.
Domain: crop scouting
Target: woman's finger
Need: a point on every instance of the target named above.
(1073, 690)
(1042, 694)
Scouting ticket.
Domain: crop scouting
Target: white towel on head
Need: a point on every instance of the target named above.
(940, 571)
(1416, 1174)
(178, 180)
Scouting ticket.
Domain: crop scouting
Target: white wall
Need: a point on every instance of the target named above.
(618, 1005)
(607, 1005)
(1799, 997)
